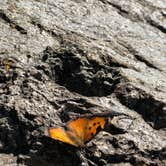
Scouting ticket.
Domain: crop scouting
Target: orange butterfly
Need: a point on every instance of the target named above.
(81, 130)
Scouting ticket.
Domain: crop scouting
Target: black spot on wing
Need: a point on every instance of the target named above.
(92, 134)
(94, 124)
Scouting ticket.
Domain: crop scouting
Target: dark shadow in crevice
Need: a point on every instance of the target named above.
(156, 25)
(54, 153)
(137, 55)
(71, 69)
(12, 24)
(151, 110)
(12, 132)
(156, 154)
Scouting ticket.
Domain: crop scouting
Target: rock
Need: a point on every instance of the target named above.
(8, 159)
(62, 59)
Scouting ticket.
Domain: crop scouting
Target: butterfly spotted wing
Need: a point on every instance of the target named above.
(94, 126)
(79, 131)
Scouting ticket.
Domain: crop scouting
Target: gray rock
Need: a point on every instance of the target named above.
(61, 59)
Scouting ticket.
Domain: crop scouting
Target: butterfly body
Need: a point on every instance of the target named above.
(79, 131)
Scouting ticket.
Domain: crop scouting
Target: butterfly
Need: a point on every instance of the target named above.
(80, 131)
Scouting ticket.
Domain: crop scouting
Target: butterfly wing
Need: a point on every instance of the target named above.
(77, 130)
(61, 135)
(80, 131)
(94, 125)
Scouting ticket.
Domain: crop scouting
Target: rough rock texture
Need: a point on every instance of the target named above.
(63, 58)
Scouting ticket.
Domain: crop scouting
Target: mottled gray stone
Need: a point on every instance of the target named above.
(63, 58)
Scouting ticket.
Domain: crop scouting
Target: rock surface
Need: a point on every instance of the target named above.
(60, 59)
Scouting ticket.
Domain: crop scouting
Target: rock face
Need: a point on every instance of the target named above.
(60, 59)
